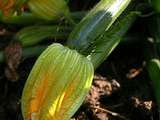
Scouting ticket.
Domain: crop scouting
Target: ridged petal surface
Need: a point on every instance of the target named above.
(57, 84)
(48, 9)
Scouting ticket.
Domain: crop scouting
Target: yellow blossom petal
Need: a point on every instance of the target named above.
(57, 84)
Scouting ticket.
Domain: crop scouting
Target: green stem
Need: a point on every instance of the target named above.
(95, 23)
(153, 67)
(70, 20)
(33, 51)
(23, 19)
(32, 35)
(28, 18)
(105, 44)
(27, 52)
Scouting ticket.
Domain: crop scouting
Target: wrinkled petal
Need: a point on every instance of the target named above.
(7, 6)
(48, 9)
(57, 84)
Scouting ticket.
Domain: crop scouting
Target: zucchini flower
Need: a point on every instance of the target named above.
(57, 84)
(9, 6)
(48, 9)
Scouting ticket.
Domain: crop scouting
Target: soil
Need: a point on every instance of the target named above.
(121, 89)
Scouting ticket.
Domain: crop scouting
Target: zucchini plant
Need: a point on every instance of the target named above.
(153, 57)
(156, 5)
(71, 44)
(62, 75)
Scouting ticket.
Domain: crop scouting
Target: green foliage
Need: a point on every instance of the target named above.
(90, 34)
(57, 85)
(154, 73)
(49, 9)
(105, 44)
(35, 34)
(25, 18)
(99, 19)
(156, 5)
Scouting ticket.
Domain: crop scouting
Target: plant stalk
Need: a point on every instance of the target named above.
(27, 52)
(106, 43)
(95, 23)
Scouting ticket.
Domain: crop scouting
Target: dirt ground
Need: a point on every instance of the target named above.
(121, 89)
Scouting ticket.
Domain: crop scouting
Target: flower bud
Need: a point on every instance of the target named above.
(9, 6)
(48, 9)
(57, 84)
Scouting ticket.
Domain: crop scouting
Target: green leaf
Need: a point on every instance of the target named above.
(156, 5)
